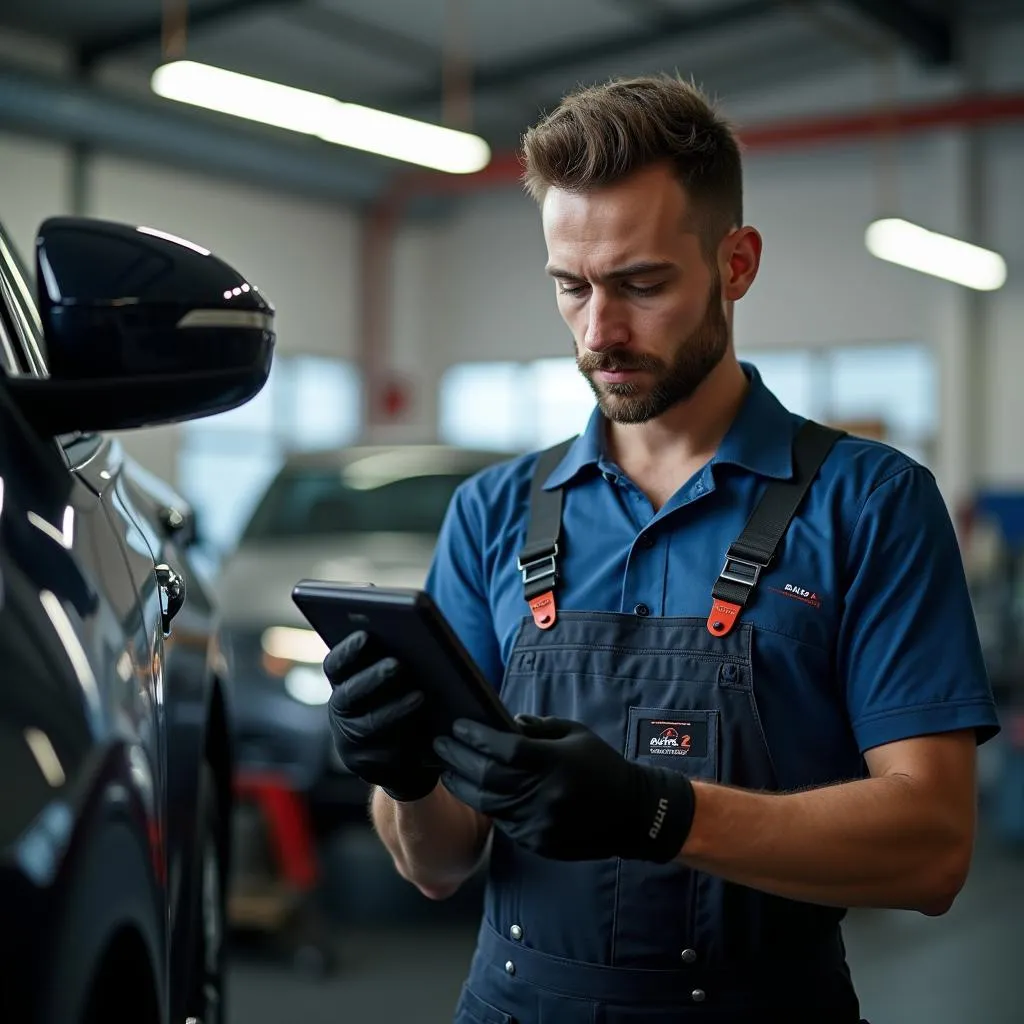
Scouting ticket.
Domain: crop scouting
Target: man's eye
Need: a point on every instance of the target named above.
(565, 289)
(641, 290)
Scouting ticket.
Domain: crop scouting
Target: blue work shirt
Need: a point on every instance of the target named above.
(864, 632)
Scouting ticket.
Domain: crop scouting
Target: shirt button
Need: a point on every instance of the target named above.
(610, 477)
(516, 932)
(510, 968)
(642, 609)
(698, 995)
(689, 956)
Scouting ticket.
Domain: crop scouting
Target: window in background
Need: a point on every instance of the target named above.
(891, 391)
(791, 376)
(888, 389)
(513, 406)
(225, 462)
(480, 406)
(562, 401)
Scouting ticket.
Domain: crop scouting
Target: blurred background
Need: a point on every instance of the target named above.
(418, 340)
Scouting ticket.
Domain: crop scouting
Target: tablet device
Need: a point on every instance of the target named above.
(409, 626)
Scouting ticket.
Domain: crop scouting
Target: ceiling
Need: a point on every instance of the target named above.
(415, 56)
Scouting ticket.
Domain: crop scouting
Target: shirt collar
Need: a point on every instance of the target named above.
(760, 439)
(761, 436)
(586, 450)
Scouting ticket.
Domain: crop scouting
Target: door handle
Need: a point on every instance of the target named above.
(172, 594)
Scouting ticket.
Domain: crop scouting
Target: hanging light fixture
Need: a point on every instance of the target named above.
(310, 113)
(909, 245)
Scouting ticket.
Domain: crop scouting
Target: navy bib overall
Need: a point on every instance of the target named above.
(631, 942)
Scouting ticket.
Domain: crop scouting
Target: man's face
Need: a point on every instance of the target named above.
(644, 307)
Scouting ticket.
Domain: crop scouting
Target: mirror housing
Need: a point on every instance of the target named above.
(141, 328)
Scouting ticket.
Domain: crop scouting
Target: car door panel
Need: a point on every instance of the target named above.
(112, 546)
(46, 708)
(190, 664)
(71, 712)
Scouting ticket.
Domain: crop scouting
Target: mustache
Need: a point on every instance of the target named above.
(593, 362)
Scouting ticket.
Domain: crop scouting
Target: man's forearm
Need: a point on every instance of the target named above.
(436, 843)
(873, 842)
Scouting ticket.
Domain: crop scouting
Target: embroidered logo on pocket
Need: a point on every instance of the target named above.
(676, 738)
(798, 593)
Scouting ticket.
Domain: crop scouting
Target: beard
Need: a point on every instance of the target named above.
(674, 382)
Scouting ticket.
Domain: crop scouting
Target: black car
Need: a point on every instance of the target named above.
(114, 696)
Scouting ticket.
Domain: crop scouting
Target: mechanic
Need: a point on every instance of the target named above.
(741, 644)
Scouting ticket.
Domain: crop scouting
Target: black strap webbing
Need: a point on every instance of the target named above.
(755, 548)
(537, 560)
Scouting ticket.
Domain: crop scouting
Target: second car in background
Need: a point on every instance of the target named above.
(362, 514)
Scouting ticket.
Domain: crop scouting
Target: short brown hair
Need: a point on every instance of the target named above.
(601, 134)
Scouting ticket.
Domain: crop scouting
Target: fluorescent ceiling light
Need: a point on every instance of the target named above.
(909, 245)
(347, 124)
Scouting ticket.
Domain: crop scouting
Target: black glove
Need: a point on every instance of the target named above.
(559, 790)
(378, 720)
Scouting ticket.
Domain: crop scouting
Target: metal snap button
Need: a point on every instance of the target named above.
(516, 932)
(698, 995)
(689, 956)
(510, 968)
(642, 609)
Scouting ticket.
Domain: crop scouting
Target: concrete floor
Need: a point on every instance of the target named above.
(403, 958)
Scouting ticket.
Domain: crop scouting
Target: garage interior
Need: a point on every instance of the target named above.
(413, 310)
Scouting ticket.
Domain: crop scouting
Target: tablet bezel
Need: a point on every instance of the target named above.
(336, 609)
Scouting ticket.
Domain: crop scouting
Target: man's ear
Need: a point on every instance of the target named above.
(739, 257)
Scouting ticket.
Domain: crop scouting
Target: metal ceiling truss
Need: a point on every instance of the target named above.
(929, 36)
(150, 31)
(659, 27)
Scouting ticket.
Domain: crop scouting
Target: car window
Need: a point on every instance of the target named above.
(305, 501)
(24, 323)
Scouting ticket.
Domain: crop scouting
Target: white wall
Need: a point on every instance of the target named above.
(1004, 362)
(34, 178)
(302, 255)
(417, 322)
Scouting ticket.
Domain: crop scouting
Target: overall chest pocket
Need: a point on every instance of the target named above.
(681, 740)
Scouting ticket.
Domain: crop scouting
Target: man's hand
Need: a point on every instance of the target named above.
(378, 721)
(559, 790)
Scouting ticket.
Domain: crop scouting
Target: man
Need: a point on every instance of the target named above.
(743, 647)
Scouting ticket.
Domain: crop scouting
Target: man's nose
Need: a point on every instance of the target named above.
(606, 327)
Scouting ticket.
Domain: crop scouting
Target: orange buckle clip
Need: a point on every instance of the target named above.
(722, 618)
(543, 608)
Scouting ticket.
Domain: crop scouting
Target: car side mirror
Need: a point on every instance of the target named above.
(141, 327)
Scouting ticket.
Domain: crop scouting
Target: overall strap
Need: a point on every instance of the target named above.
(538, 560)
(755, 548)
